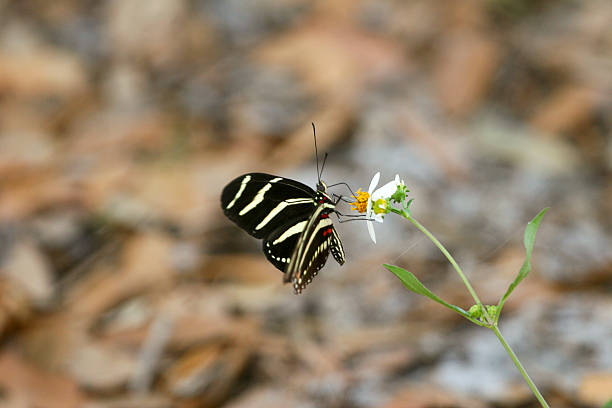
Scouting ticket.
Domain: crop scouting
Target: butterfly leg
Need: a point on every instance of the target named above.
(343, 184)
(339, 198)
(353, 217)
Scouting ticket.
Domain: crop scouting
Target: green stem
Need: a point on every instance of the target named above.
(517, 363)
(450, 258)
(490, 322)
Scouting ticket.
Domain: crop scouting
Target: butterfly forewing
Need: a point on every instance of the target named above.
(259, 203)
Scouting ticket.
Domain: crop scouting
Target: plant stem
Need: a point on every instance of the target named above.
(517, 363)
(491, 323)
(452, 261)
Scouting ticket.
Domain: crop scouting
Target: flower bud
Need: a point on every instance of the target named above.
(492, 310)
(475, 311)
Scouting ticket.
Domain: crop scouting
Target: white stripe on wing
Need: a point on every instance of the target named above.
(259, 196)
(280, 207)
(295, 229)
(243, 184)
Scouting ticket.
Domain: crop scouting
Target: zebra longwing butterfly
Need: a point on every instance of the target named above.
(292, 219)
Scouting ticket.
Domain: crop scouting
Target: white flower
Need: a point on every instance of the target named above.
(385, 192)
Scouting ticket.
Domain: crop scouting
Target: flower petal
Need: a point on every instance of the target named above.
(371, 230)
(374, 183)
(385, 191)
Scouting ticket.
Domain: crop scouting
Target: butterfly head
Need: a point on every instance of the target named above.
(322, 187)
(322, 195)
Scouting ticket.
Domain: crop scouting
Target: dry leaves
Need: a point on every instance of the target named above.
(122, 284)
(27, 385)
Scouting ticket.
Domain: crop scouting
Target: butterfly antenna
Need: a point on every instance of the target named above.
(314, 134)
(323, 166)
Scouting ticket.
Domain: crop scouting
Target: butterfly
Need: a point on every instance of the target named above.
(292, 219)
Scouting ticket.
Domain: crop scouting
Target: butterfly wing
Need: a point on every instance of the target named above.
(312, 249)
(292, 218)
(336, 247)
(280, 244)
(260, 203)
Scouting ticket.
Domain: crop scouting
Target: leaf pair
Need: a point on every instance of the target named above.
(411, 281)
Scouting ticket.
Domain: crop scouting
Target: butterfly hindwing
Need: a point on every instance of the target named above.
(278, 246)
(312, 248)
(336, 247)
(260, 203)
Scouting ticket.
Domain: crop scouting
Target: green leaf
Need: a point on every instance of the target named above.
(412, 283)
(528, 241)
(608, 404)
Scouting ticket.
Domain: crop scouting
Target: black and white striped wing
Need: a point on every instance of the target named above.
(312, 249)
(260, 203)
(336, 247)
(292, 219)
(280, 244)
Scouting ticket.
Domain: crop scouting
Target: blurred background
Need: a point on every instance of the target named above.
(123, 285)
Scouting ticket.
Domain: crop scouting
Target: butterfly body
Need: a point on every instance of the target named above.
(291, 218)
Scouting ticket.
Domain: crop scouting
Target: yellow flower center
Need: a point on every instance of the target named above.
(361, 201)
